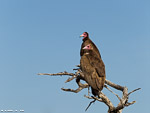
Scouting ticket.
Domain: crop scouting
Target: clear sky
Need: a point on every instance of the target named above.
(42, 36)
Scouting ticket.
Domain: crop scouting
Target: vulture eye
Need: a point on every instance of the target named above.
(89, 46)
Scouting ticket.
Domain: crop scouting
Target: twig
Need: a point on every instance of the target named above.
(81, 86)
(128, 104)
(69, 79)
(134, 91)
(90, 104)
(113, 93)
(124, 100)
(72, 90)
(89, 97)
(61, 73)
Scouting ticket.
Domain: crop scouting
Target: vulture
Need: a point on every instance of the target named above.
(92, 66)
(87, 40)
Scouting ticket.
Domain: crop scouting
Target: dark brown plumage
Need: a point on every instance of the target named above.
(92, 67)
(87, 40)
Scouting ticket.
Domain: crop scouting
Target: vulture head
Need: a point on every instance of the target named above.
(85, 35)
(88, 47)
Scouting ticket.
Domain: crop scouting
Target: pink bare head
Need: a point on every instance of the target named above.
(88, 47)
(84, 35)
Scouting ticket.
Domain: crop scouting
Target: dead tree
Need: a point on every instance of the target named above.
(78, 75)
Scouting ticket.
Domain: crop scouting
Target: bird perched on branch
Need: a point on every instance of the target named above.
(92, 66)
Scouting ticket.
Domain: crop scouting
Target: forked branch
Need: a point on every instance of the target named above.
(101, 97)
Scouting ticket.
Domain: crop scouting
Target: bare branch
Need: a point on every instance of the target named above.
(70, 79)
(61, 73)
(101, 96)
(72, 90)
(134, 91)
(106, 100)
(81, 86)
(123, 100)
(89, 97)
(128, 104)
(90, 104)
(113, 93)
(118, 87)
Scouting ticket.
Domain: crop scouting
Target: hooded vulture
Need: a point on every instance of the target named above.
(92, 67)
(86, 40)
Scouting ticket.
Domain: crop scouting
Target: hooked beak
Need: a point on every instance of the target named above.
(81, 35)
(85, 47)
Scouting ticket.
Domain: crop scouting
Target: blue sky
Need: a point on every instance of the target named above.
(42, 36)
